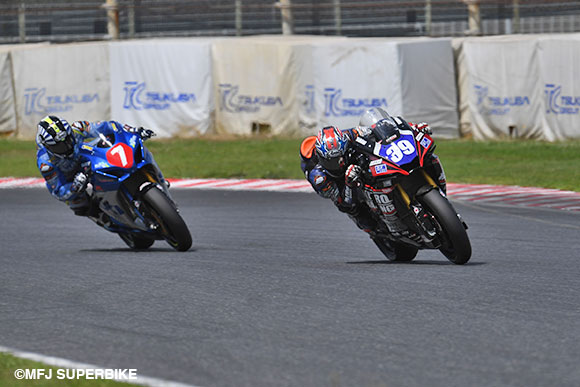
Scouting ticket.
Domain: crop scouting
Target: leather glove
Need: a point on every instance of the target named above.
(145, 133)
(352, 175)
(424, 127)
(79, 183)
(328, 190)
(363, 131)
(81, 126)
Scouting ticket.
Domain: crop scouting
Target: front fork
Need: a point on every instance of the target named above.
(421, 189)
(134, 187)
(420, 219)
(424, 220)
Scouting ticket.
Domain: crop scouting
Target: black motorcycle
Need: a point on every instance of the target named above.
(400, 185)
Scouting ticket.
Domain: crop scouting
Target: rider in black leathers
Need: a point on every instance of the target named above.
(326, 165)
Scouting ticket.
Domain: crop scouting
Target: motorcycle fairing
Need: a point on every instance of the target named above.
(116, 159)
(380, 167)
(391, 156)
(120, 155)
(424, 146)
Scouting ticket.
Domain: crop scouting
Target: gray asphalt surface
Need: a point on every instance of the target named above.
(282, 290)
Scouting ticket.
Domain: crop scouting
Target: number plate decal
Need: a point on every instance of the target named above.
(401, 151)
(121, 155)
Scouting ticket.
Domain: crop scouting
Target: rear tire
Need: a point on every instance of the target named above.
(455, 243)
(136, 242)
(395, 251)
(173, 228)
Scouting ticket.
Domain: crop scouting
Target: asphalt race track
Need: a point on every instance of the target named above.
(280, 289)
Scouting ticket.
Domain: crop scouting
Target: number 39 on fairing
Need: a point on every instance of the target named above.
(397, 150)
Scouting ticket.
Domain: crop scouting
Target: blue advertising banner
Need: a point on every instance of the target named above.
(165, 85)
(71, 81)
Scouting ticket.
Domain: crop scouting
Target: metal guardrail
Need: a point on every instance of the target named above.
(60, 20)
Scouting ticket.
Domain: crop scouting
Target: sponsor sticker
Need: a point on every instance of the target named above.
(381, 168)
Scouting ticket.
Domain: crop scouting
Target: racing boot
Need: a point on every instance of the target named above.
(102, 220)
(81, 206)
(363, 219)
(97, 215)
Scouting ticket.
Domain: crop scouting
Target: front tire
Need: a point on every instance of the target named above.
(173, 228)
(455, 243)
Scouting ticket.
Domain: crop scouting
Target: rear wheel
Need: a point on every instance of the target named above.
(173, 228)
(136, 242)
(395, 251)
(455, 243)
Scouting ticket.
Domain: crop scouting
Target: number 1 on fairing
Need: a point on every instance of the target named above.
(118, 150)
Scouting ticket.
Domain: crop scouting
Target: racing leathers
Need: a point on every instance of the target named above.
(335, 187)
(66, 178)
(339, 188)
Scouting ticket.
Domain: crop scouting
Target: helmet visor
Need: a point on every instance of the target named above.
(333, 165)
(62, 148)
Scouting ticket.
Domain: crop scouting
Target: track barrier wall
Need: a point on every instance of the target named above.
(488, 88)
(163, 84)
(7, 110)
(519, 86)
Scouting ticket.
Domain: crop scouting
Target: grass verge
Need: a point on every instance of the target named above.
(514, 162)
(9, 364)
(523, 163)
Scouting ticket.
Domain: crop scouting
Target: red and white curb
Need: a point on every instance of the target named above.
(514, 195)
(508, 195)
(282, 185)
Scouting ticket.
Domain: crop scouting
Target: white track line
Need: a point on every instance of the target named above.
(64, 363)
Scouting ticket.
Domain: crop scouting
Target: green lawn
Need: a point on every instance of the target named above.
(524, 163)
(514, 162)
(9, 364)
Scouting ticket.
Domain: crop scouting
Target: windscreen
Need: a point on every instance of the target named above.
(385, 129)
(106, 140)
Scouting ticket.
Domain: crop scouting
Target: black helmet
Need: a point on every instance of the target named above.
(56, 136)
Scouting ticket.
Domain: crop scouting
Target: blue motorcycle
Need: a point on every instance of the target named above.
(402, 189)
(131, 194)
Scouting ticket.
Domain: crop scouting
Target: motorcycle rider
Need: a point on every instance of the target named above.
(325, 163)
(58, 158)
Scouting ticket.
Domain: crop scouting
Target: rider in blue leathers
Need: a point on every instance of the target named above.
(57, 157)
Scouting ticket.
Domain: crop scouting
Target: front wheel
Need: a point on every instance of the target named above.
(173, 228)
(455, 243)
